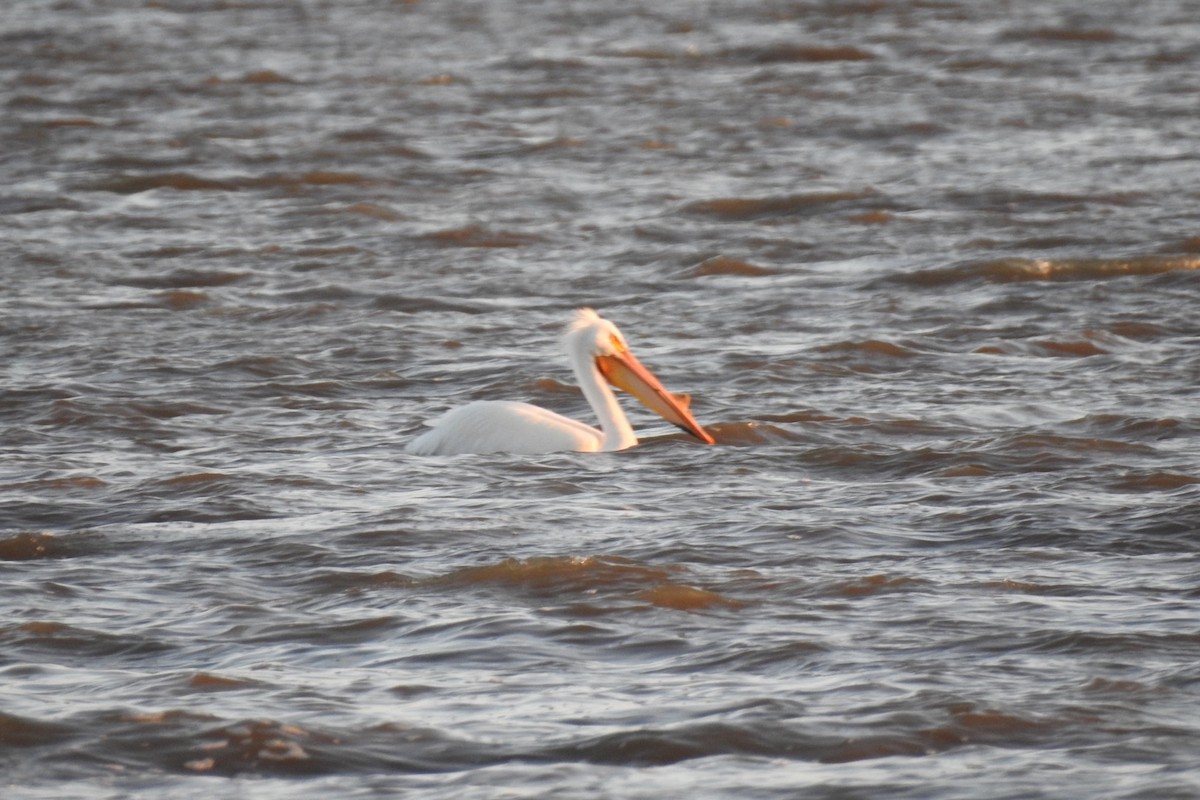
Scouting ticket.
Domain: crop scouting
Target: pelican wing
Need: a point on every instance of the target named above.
(500, 426)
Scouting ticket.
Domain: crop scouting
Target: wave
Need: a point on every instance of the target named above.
(618, 577)
(182, 279)
(1015, 270)
(478, 236)
(189, 182)
(869, 348)
(775, 53)
(724, 265)
(752, 432)
(27, 546)
(790, 53)
(1154, 481)
(738, 209)
(61, 643)
(184, 742)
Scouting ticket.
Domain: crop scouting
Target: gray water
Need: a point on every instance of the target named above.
(928, 270)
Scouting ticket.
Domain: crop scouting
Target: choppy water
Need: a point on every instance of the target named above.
(929, 270)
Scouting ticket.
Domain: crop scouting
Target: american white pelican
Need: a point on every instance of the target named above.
(598, 353)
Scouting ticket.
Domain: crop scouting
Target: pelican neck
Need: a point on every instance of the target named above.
(617, 433)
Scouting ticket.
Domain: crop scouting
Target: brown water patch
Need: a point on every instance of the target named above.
(194, 478)
(685, 598)
(207, 681)
(991, 723)
(572, 573)
(1161, 481)
(1077, 349)
(356, 135)
(182, 299)
(265, 76)
(374, 211)
(645, 53)
(36, 79)
(171, 410)
(1115, 686)
(1080, 35)
(71, 482)
(178, 279)
(966, 726)
(441, 79)
(1188, 245)
(870, 347)
(40, 628)
(768, 123)
(786, 53)
(1015, 270)
(972, 64)
(180, 181)
(967, 471)
(66, 412)
(167, 251)
(905, 427)
(871, 584)
(849, 8)
(187, 182)
(256, 745)
(868, 747)
(807, 416)
(872, 218)
(1009, 201)
(70, 122)
(74, 642)
(750, 208)
(478, 236)
(1136, 426)
(553, 386)
(750, 433)
(77, 482)
(405, 151)
(20, 732)
(323, 177)
(1131, 329)
(1050, 442)
(724, 265)
(325, 252)
(354, 581)
(558, 575)
(29, 546)
(162, 717)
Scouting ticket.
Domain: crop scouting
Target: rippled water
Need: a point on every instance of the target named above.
(929, 271)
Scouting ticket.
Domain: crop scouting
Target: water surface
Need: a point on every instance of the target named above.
(929, 271)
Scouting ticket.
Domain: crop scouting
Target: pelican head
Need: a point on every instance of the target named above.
(591, 339)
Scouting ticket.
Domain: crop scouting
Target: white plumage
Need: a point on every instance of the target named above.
(599, 356)
(494, 426)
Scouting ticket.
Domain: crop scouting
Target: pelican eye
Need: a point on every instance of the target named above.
(616, 343)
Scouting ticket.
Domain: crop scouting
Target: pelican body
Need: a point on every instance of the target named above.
(599, 356)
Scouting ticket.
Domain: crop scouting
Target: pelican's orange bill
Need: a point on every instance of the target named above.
(626, 372)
